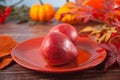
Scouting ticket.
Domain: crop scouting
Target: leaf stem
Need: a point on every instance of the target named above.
(67, 0)
(41, 2)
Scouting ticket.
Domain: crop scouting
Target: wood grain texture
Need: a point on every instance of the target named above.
(16, 72)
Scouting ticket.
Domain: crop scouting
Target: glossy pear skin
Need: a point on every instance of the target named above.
(58, 49)
(67, 29)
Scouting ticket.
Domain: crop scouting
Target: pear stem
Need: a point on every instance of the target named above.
(41, 2)
(67, 0)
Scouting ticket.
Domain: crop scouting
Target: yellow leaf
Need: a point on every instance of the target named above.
(108, 35)
(87, 29)
(113, 29)
(101, 33)
(98, 35)
(95, 32)
(100, 39)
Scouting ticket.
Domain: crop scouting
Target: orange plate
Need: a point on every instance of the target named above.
(27, 54)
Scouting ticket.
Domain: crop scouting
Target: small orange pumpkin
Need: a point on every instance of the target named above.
(67, 18)
(42, 12)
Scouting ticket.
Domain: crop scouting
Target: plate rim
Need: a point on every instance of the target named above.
(53, 71)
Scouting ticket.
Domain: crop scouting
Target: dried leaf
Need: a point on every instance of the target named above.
(107, 36)
(6, 45)
(5, 62)
(87, 29)
(100, 39)
(95, 32)
(101, 33)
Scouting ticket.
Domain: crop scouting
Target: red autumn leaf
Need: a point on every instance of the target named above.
(109, 6)
(1, 17)
(109, 62)
(0, 13)
(7, 11)
(118, 60)
(79, 2)
(117, 2)
(4, 15)
(109, 11)
(87, 13)
(105, 15)
(116, 23)
(99, 15)
(113, 54)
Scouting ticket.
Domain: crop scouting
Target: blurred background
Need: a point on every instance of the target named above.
(55, 3)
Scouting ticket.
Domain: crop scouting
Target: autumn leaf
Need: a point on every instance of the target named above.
(116, 23)
(113, 54)
(79, 2)
(109, 11)
(105, 15)
(105, 37)
(87, 29)
(109, 7)
(87, 13)
(101, 33)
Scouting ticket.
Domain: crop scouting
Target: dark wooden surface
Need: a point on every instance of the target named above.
(23, 32)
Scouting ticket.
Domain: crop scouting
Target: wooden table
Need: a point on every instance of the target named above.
(23, 32)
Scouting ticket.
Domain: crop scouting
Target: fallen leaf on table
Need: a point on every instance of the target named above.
(7, 43)
(5, 62)
(7, 51)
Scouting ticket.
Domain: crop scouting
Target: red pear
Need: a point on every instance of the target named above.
(67, 29)
(58, 49)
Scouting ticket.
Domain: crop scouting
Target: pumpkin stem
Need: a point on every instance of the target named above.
(67, 0)
(41, 2)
